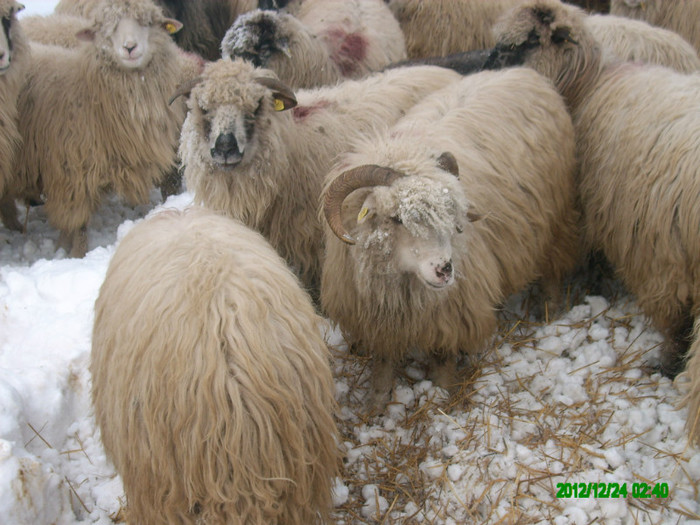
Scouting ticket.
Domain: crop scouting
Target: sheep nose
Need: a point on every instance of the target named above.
(444, 272)
(130, 46)
(225, 145)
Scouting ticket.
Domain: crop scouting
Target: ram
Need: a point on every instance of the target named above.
(680, 16)
(205, 21)
(13, 63)
(258, 152)
(318, 42)
(108, 128)
(637, 131)
(213, 392)
(435, 222)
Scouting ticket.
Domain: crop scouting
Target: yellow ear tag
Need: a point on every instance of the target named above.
(363, 213)
(279, 105)
(170, 28)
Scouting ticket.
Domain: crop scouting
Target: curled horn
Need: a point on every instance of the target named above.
(184, 89)
(344, 184)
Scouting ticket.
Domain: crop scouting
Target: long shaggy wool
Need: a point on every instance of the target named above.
(90, 126)
(638, 145)
(211, 383)
(680, 16)
(55, 29)
(10, 137)
(513, 140)
(286, 154)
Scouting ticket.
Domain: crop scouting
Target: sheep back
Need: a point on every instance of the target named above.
(516, 169)
(638, 41)
(55, 29)
(213, 390)
(276, 191)
(680, 16)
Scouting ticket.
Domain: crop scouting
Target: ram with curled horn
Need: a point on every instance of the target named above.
(432, 223)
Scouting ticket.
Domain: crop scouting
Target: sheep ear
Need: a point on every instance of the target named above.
(447, 162)
(562, 34)
(171, 25)
(281, 93)
(86, 35)
(17, 8)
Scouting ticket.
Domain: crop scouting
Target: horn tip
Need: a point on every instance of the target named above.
(346, 238)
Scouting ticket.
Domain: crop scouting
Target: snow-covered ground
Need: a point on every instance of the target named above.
(572, 400)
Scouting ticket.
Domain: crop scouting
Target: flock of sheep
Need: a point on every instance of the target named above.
(337, 168)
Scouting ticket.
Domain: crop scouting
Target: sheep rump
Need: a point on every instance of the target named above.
(213, 391)
(516, 170)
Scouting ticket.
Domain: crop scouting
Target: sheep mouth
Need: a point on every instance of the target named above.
(3, 69)
(439, 285)
(227, 163)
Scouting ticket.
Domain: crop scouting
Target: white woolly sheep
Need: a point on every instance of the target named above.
(318, 42)
(96, 118)
(421, 275)
(638, 139)
(246, 157)
(471, 31)
(13, 62)
(681, 16)
(205, 21)
(213, 391)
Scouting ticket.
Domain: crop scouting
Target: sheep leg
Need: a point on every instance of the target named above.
(8, 213)
(74, 241)
(693, 397)
(443, 370)
(171, 183)
(674, 350)
(382, 382)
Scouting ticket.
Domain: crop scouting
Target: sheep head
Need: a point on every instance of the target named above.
(230, 107)
(406, 224)
(126, 33)
(8, 12)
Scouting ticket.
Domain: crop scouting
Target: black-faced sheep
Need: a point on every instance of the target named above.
(638, 130)
(211, 382)
(96, 118)
(423, 272)
(13, 62)
(247, 157)
(205, 21)
(318, 42)
(681, 16)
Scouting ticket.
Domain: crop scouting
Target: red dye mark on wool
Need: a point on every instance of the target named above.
(348, 50)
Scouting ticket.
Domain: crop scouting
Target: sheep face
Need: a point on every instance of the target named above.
(228, 113)
(127, 33)
(8, 22)
(409, 229)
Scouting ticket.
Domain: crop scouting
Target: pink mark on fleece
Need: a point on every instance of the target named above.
(301, 113)
(347, 50)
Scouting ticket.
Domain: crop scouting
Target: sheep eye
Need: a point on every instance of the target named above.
(396, 219)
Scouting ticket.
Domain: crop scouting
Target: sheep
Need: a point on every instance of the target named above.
(637, 136)
(246, 157)
(213, 392)
(680, 16)
(205, 21)
(96, 118)
(14, 56)
(318, 42)
(424, 259)
(628, 39)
